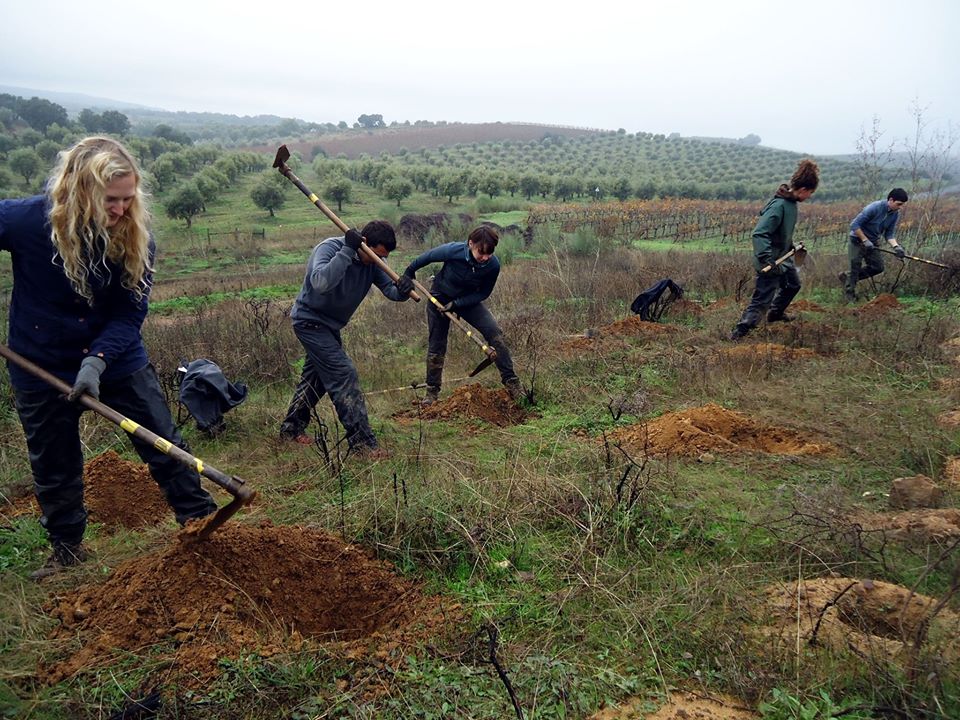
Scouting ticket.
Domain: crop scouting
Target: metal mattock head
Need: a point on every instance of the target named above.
(282, 156)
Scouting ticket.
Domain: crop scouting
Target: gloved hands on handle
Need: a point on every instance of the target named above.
(88, 378)
(899, 251)
(867, 245)
(352, 240)
(404, 284)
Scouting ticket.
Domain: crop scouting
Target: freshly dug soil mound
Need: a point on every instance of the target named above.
(880, 305)
(682, 706)
(806, 306)
(714, 429)
(473, 401)
(247, 588)
(950, 418)
(914, 526)
(873, 618)
(120, 493)
(764, 352)
(116, 492)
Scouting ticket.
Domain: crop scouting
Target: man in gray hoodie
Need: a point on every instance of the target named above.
(337, 280)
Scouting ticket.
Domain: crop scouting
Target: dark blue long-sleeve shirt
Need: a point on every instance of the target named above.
(876, 220)
(53, 325)
(462, 279)
(335, 284)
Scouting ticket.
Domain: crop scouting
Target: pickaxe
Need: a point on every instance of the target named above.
(242, 494)
(915, 258)
(280, 162)
(797, 250)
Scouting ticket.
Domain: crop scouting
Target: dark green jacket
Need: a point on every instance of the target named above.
(773, 235)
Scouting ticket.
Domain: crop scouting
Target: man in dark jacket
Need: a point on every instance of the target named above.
(877, 220)
(466, 279)
(777, 285)
(337, 280)
(82, 271)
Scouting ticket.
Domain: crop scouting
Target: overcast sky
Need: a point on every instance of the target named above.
(804, 75)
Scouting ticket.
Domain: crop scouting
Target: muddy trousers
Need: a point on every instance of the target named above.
(773, 292)
(328, 370)
(51, 425)
(863, 264)
(481, 319)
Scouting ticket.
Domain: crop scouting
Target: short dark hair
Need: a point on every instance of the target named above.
(898, 194)
(379, 233)
(485, 238)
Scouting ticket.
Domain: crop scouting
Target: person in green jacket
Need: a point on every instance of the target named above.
(772, 238)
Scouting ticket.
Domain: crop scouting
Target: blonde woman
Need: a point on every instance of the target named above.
(82, 267)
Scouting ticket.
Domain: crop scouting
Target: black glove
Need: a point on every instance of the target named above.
(899, 251)
(352, 240)
(88, 378)
(867, 245)
(448, 307)
(774, 268)
(410, 272)
(404, 285)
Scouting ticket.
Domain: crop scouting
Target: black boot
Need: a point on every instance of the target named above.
(773, 317)
(64, 555)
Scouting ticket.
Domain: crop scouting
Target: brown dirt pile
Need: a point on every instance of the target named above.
(872, 618)
(248, 588)
(473, 401)
(116, 492)
(880, 305)
(765, 352)
(950, 418)
(806, 306)
(120, 493)
(951, 472)
(682, 706)
(914, 526)
(713, 429)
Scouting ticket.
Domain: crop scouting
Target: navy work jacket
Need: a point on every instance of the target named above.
(50, 323)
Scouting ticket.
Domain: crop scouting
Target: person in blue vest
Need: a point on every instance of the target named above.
(876, 222)
(777, 285)
(82, 258)
(466, 279)
(337, 279)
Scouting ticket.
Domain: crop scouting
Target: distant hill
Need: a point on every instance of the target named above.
(73, 102)
(392, 140)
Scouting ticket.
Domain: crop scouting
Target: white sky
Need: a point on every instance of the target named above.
(804, 75)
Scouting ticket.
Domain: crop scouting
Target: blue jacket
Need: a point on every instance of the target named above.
(876, 220)
(51, 324)
(462, 279)
(335, 284)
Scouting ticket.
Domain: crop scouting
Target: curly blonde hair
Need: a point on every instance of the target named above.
(79, 220)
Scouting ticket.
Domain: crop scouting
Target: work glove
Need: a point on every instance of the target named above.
(899, 251)
(404, 284)
(448, 307)
(352, 240)
(410, 272)
(774, 268)
(88, 378)
(867, 245)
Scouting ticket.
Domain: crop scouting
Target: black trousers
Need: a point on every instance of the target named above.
(439, 329)
(52, 427)
(773, 292)
(328, 369)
